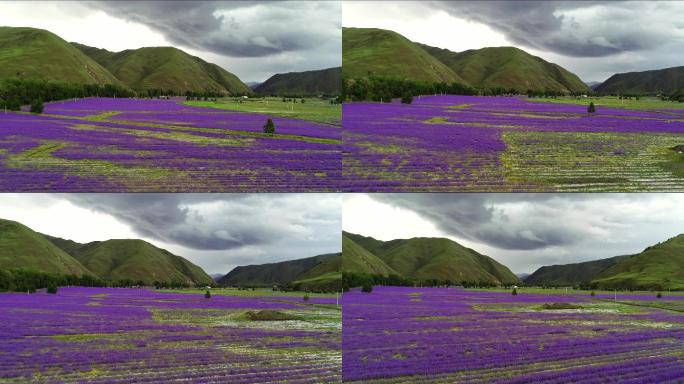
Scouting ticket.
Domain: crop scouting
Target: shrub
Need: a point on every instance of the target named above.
(593, 293)
(406, 99)
(659, 295)
(270, 315)
(514, 292)
(52, 289)
(306, 297)
(560, 306)
(367, 288)
(269, 127)
(591, 108)
(207, 295)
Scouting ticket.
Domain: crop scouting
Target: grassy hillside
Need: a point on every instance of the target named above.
(21, 247)
(665, 80)
(370, 51)
(357, 259)
(324, 81)
(507, 67)
(280, 273)
(165, 68)
(135, 260)
(570, 274)
(39, 54)
(435, 258)
(658, 267)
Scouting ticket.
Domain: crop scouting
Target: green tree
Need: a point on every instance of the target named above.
(514, 292)
(406, 98)
(52, 289)
(591, 108)
(207, 295)
(37, 106)
(659, 295)
(306, 297)
(269, 127)
(367, 288)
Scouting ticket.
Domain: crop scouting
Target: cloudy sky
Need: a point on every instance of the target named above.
(252, 39)
(523, 231)
(593, 39)
(217, 232)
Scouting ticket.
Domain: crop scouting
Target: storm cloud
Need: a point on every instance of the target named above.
(236, 28)
(579, 29)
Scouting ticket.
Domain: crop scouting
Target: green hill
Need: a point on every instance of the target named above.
(657, 81)
(507, 67)
(22, 248)
(134, 260)
(370, 51)
(39, 54)
(324, 81)
(436, 258)
(658, 267)
(165, 68)
(570, 274)
(357, 259)
(284, 272)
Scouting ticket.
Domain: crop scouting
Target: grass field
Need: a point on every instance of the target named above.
(258, 292)
(644, 103)
(313, 109)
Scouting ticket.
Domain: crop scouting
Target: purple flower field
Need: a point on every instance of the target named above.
(141, 145)
(450, 335)
(473, 143)
(110, 335)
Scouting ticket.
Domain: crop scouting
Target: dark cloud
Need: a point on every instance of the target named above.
(217, 222)
(540, 220)
(573, 28)
(237, 28)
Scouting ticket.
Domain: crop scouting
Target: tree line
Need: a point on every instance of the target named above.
(24, 280)
(353, 280)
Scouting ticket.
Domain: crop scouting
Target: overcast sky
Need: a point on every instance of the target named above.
(523, 231)
(251, 39)
(593, 39)
(214, 231)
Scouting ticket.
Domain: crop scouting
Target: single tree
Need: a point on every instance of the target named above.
(52, 289)
(37, 106)
(591, 108)
(367, 288)
(659, 295)
(515, 291)
(269, 127)
(207, 295)
(593, 293)
(306, 297)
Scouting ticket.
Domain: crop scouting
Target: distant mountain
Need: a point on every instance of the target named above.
(253, 84)
(39, 54)
(22, 248)
(359, 260)
(656, 81)
(570, 274)
(507, 67)
(593, 84)
(324, 81)
(133, 259)
(165, 68)
(522, 276)
(310, 271)
(371, 51)
(424, 258)
(216, 276)
(660, 266)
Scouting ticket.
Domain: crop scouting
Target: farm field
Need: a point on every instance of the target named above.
(436, 335)
(313, 109)
(142, 145)
(472, 143)
(119, 335)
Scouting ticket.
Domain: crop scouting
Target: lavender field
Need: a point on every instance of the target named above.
(437, 335)
(101, 335)
(142, 145)
(471, 143)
